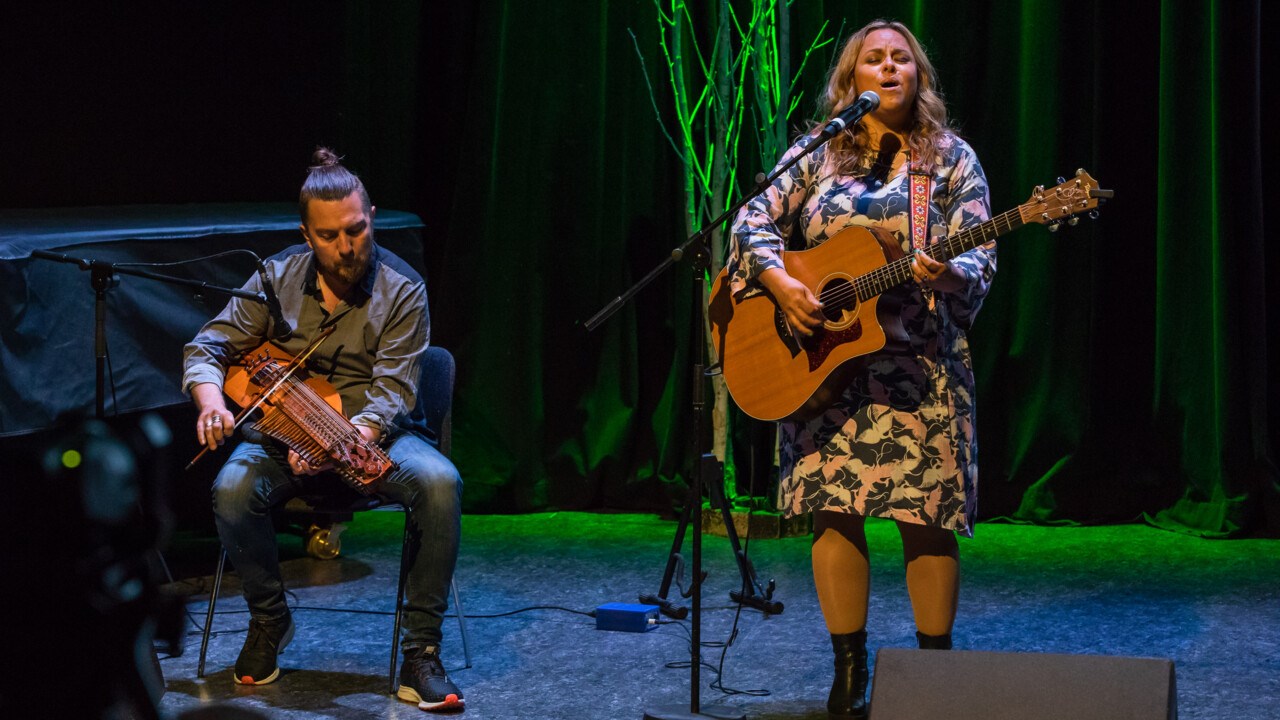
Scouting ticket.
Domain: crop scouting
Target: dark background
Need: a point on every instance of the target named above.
(1126, 368)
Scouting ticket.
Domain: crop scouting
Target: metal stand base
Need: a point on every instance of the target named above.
(681, 712)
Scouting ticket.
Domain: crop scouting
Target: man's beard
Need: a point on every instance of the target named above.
(352, 271)
(349, 272)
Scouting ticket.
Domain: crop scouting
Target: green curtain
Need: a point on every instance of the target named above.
(1126, 367)
(563, 194)
(1122, 364)
(1211, 352)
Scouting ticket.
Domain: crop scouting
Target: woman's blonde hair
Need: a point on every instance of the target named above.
(930, 130)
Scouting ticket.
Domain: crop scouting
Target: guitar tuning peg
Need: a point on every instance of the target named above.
(1093, 214)
(1053, 227)
(1079, 172)
(1074, 220)
(1061, 179)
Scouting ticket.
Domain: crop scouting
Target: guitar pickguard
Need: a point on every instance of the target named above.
(820, 346)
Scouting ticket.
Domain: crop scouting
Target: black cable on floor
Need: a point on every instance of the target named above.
(718, 682)
(718, 670)
(199, 629)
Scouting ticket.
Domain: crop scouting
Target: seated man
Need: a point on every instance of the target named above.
(377, 306)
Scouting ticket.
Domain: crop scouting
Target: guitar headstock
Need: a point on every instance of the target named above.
(1066, 200)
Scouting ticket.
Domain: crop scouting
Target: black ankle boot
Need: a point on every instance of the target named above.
(848, 693)
(933, 642)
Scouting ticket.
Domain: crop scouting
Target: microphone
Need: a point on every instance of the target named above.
(865, 103)
(283, 331)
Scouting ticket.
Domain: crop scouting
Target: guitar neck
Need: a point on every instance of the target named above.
(898, 272)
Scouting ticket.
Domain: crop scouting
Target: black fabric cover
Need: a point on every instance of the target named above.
(47, 359)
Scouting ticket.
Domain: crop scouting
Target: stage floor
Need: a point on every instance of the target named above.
(1213, 607)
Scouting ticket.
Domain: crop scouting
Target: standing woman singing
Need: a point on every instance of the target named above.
(900, 442)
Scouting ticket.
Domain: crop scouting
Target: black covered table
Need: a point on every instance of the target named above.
(47, 364)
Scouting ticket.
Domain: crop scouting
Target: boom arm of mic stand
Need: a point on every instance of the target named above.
(85, 264)
(103, 278)
(698, 241)
(615, 304)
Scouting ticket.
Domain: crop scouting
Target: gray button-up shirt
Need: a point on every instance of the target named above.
(372, 358)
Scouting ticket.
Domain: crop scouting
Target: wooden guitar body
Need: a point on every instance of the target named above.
(774, 373)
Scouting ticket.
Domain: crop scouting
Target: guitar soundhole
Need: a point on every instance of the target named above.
(839, 301)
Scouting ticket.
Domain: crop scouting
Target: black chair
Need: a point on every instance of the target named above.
(433, 418)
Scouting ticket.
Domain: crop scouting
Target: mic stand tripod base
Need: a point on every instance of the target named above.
(682, 712)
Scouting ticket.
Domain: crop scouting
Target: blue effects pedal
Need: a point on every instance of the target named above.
(627, 617)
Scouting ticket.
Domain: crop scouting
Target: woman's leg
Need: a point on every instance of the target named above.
(932, 557)
(842, 575)
(841, 570)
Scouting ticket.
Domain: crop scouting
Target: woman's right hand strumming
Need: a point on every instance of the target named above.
(797, 302)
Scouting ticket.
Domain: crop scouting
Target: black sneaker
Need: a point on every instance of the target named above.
(267, 639)
(423, 680)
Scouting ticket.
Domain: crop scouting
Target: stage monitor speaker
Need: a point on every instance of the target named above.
(968, 685)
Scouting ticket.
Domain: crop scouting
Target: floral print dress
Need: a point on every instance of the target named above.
(900, 442)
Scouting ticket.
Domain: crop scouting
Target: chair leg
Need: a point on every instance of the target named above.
(462, 621)
(395, 632)
(208, 618)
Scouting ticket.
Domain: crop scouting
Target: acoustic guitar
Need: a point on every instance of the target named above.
(774, 373)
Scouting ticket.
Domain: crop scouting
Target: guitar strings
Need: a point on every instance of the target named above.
(898, 271)
(309, 413)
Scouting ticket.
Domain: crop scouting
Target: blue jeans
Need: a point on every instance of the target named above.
(256, 479)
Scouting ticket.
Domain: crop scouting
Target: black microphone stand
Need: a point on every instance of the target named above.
(102, 277)
(695, 248)
(751, 594)
(142, 688)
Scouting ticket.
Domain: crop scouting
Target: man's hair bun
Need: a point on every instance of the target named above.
(324, 157)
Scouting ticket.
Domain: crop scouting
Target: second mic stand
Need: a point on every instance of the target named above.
(102, 276)
(695, 248)
(142, 689)
(752, 594)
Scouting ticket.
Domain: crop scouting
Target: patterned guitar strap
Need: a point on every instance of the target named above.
(920, 182)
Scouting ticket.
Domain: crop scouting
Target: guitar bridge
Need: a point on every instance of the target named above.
(785, 335)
